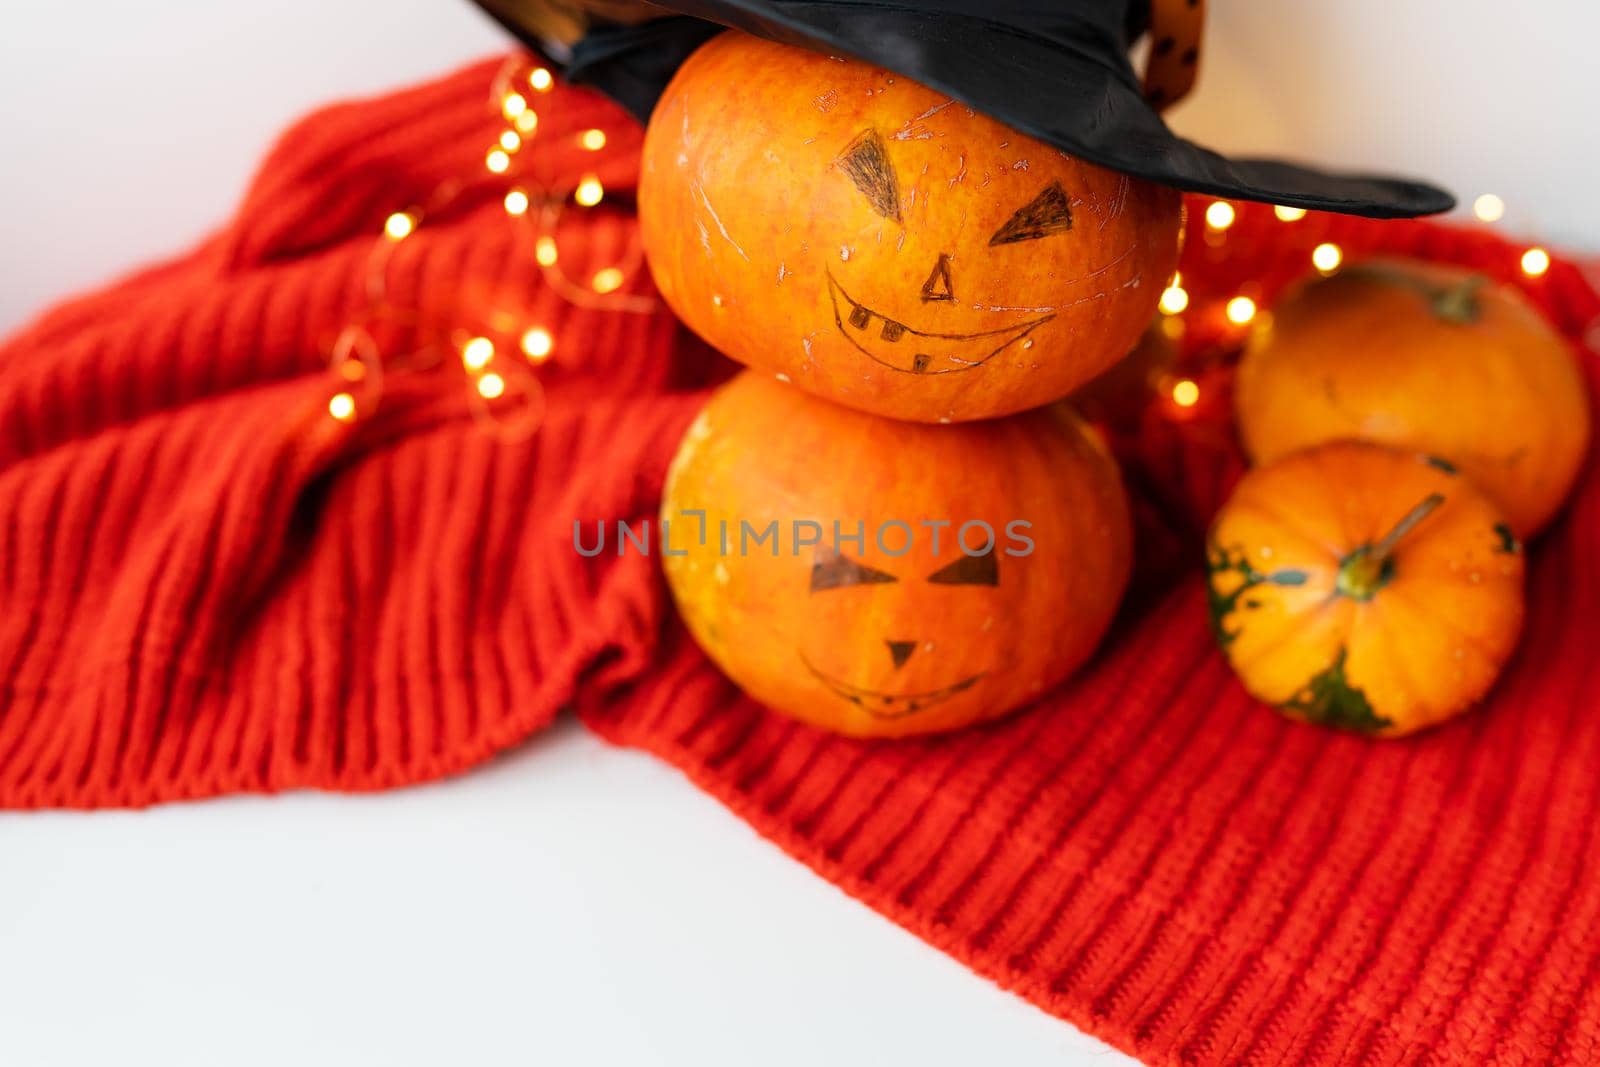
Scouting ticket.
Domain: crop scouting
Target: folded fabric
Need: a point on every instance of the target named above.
(209, 585)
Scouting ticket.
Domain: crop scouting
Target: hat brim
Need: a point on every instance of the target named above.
(1064, 82)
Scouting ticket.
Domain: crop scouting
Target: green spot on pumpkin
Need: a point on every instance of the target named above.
(1224, 561)
(1506, 541)
(1329, 699)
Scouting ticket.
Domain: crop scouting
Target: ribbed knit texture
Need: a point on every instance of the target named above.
(208, 585)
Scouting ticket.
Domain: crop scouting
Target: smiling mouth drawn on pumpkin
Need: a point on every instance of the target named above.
(881, 705)
(899, 347)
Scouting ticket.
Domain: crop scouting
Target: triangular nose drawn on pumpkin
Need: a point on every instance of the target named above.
(900, 651)
(938, 286)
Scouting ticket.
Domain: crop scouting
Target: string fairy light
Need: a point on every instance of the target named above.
(477, 353)
(1326, 257)
(537, 344)
(586, 293)
(342, 406)
(589, 191)
(1174, 298)
(356, 360)
(399, 226)
(1180, 394)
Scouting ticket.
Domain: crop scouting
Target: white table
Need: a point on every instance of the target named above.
(571, 904)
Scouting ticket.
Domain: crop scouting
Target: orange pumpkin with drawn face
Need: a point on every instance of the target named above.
(973, 566)
(885, 247)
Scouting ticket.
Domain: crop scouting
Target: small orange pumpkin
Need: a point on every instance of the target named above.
(971, 568)
(1426, 357)
(886, 247)
(1357, 586)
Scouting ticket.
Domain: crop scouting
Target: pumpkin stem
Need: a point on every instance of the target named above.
(1459, 303)
(1366, 570)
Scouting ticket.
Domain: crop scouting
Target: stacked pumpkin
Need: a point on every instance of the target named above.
(888, 524)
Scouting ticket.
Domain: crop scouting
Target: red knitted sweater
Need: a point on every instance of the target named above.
(209, 585)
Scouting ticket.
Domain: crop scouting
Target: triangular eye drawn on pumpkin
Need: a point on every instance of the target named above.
(834, 571)
(1049, 212)
(866, 161)
(969, 570)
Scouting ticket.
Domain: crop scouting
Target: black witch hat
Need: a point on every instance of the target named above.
(1058, 70)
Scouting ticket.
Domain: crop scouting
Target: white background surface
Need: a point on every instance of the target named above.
(569, 905)
(573, 904)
